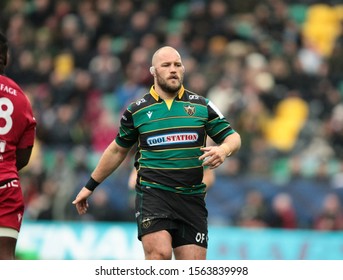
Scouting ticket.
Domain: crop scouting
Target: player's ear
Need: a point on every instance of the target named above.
(183, 68)
(152, 70)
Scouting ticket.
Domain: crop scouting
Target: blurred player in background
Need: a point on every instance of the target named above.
(17, 133)
(170, 125)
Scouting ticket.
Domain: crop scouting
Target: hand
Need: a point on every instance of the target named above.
(81, 202)
(213, 156)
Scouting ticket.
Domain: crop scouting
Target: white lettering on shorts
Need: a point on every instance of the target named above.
(200, 237)
(11, 184)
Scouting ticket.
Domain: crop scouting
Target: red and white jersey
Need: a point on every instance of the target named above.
(17, 126)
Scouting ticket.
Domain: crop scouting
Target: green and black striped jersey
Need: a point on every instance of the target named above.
(169, 135)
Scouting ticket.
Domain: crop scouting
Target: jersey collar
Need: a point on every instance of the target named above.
(157, 97)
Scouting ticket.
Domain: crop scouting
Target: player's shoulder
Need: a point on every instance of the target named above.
(194, 97)
(141, 103)
(9, 87)
(8, 81)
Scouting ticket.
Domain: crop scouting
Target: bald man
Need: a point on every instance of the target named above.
(170, 125)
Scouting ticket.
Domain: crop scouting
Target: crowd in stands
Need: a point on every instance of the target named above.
(273, 67)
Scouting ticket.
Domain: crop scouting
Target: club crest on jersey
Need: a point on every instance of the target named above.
(175, 138)
(190, 109)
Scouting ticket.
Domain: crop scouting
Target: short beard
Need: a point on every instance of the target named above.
(167, 88)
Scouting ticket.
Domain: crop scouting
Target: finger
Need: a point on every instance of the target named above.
(77, 199)
(81, 209)
(212, 162)
(80, 203)
(205, 156)
(216, 163)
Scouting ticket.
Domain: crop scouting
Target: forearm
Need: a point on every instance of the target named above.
(110, 160)
(231, 144)
(214, 156)
(23, 157)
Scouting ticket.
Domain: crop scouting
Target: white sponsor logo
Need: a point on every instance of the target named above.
(191, 97)
(140, 101)
(11, 184)
(175, 138)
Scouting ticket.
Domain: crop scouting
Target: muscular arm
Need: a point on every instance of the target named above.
(231, 144)
(216, 154)
(110, 160)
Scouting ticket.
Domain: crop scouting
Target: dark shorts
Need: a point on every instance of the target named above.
(11, 205)
(183, 216)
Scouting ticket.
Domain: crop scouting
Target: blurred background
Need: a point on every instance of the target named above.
(273, 67)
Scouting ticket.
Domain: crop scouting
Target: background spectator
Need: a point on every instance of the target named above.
(330, 216)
